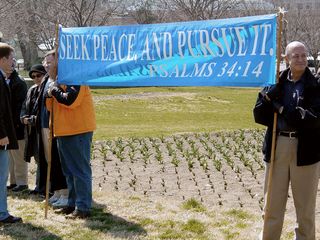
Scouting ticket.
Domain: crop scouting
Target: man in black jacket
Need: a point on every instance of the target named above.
(296, 98)
(8, 138)
(18, 168)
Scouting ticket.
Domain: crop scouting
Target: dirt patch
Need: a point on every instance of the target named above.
(222, 171)
(144, 182)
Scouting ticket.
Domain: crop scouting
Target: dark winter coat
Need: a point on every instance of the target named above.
(6, 119)
(19, 90)
(308, 129)
(30, 110)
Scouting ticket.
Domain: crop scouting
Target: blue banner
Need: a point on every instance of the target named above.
(227, 52)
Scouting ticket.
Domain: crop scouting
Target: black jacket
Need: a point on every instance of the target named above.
(308, 128)
(19, 90)
(30, 110)
(40, 100)
(6, 120)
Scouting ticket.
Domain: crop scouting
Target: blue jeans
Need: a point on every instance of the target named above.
(75, 162)
(4, 172)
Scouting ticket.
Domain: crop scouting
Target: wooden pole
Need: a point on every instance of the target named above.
(51, 126)
(274, 129)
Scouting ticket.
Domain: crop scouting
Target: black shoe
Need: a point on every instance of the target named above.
(79, 214)
(65, 210)
(43, 194)
(11, 186)
(20, 188)
(11, 219)
(34, 192)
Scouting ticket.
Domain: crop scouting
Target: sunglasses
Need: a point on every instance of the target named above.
(36, 76)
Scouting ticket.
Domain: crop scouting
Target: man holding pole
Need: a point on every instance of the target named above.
(73, 126)
(57, 179)
(296, 100)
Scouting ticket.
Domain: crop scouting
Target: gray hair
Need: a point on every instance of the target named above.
(292, 45)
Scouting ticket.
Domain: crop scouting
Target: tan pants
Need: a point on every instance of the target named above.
(304, 184)
(18, 168)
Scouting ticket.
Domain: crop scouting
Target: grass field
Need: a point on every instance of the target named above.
(168, 163)
(141, 112)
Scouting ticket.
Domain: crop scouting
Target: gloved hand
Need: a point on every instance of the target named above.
(273, 93)
(263, 96)
(278, 107)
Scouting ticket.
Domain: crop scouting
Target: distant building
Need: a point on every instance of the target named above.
(122, 20)
(257, 4)
(297, 4)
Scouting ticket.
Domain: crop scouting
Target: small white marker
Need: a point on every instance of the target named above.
(5, 147)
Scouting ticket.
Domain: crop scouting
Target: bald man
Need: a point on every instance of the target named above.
(296, 98)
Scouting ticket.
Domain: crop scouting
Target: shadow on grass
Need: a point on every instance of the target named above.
(104, 221)
(24, 195)
(24, 231)
(101, 220)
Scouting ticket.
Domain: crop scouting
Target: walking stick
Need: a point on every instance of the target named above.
(274, 129)
(51, 128)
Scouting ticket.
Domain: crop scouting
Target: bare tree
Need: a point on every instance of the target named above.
(202, 9)
(145, 11)
(18, 25)
(32, 22)
(72, 13)
(304, 26)
(83, 13)
(256, 7)
(4, 7)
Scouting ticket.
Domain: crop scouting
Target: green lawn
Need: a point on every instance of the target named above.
(160, 111)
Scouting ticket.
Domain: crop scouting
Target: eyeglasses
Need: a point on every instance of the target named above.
(36, 76)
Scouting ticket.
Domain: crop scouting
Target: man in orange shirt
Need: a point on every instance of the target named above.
(73, 126)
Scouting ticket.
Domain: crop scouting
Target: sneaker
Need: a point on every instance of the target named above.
(20, 188)
(62, 202)
(11, 219)
(79, 214)
(56, 196)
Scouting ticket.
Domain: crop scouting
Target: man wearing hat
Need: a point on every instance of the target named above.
(36, 73)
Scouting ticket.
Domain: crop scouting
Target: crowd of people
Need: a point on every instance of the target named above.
(52, 124)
